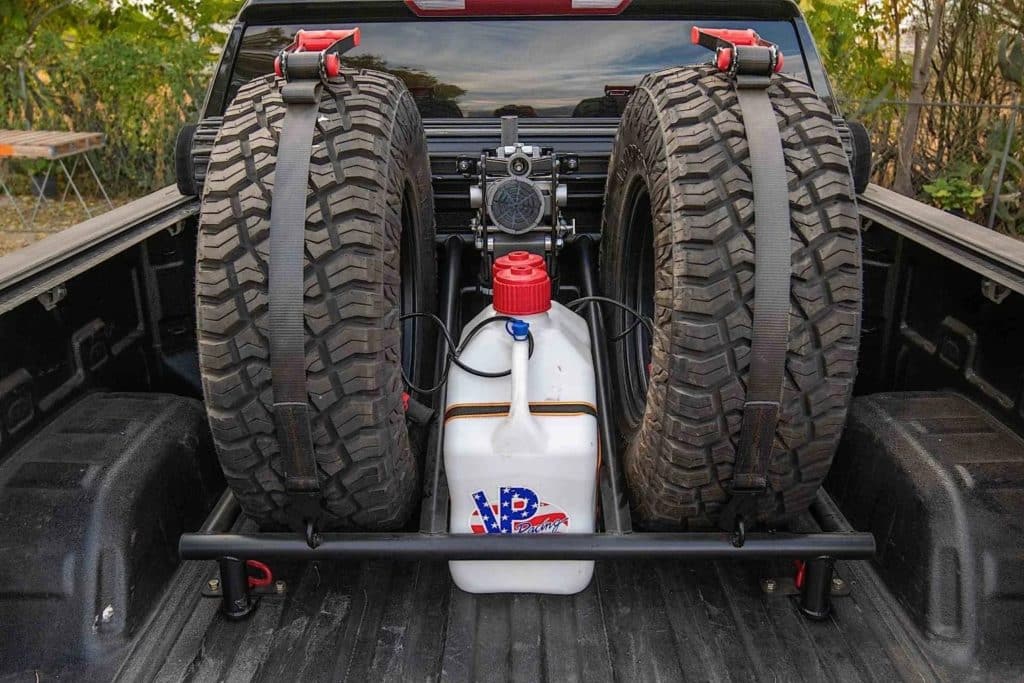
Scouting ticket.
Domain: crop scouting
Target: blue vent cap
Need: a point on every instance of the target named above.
(519, 329)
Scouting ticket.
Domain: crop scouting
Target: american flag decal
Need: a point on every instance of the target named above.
(518, 511)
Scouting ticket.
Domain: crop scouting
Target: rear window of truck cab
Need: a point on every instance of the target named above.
(543, 68)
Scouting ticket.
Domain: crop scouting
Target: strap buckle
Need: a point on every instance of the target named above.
(739, 514)
(305, 512)
(750, 482)
(740, 52)
(315, 54)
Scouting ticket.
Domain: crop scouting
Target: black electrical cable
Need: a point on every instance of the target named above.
(640, 318)
(626, 332)
(476, 330)
(447, 365)
(452, 357)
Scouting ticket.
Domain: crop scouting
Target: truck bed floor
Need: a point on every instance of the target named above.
(640, 620)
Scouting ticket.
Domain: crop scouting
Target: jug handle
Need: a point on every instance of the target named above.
(519, 434)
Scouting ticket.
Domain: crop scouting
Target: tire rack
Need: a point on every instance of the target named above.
(618, 541)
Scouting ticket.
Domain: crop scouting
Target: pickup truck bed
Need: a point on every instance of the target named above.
(637, 621)
(939, 602)
(383, 620)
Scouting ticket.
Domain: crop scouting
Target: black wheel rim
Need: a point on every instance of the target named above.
(638, 293)
(409, 273)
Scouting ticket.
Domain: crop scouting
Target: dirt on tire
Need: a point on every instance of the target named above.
(682, 143)
(369, 210)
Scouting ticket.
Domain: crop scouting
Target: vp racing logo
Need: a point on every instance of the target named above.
(518, 511)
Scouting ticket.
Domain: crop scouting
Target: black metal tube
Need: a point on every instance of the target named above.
(223, 515)
(615, 507)
(828, 514)
(234, 587)
(816, 592)
(434, 509)
(418, 546)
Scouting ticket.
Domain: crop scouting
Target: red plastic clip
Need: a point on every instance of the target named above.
(801, 572)
(331, 43)
(266, 576)
(724, 42)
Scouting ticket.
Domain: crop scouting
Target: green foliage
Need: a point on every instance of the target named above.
(849, 36)
(867, 47)
(134, 70)
(1010, 207)
(955, 194)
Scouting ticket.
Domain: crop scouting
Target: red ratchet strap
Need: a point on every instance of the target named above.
(732, 53)
(329, 45)
(265, 578)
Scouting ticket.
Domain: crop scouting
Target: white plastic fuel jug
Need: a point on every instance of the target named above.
(521, 451)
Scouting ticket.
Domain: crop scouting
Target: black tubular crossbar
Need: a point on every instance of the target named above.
(417, 546)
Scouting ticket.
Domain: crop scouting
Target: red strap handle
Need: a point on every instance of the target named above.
(735, 36)
(315, 41)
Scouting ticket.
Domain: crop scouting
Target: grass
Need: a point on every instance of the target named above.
(53, 217)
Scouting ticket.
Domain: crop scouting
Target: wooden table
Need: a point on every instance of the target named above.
(54, 146)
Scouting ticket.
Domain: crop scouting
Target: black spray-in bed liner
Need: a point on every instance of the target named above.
(639, 620)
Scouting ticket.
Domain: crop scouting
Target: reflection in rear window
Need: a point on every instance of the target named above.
(532, 68)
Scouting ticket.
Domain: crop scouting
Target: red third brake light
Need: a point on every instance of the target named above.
(506, 8)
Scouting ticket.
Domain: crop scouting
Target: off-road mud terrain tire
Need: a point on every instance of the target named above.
(682, 142)
(369, 221)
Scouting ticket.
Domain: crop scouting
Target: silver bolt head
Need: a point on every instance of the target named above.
(770, 585)
(213, 584)
(838, 584)
(280, 586)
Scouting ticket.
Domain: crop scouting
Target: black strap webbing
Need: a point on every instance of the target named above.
(286, 293)
(772, 268)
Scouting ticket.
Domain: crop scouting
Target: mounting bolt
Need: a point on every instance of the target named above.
(837, 584)
(769, 585)
(280, 586)
(213, 584)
